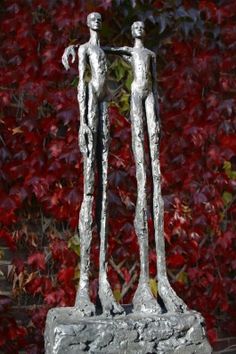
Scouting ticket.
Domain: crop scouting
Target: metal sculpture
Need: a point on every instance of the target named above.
(144, 112)
(146, 330)
(93, 139)
(94, 144)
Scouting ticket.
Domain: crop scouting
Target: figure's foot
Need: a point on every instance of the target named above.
(144, 301)
(109, 305)
(171, 300)
(84, 306)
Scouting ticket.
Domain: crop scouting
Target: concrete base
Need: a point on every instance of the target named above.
(68, 333)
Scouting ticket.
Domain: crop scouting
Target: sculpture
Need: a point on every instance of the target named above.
(73, 330)
(144, 105)
(93, 141)
(144, 111)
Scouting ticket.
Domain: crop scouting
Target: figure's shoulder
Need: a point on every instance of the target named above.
(83, 48)
(151, 53)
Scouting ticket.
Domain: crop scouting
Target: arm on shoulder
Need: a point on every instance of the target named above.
(118, 50)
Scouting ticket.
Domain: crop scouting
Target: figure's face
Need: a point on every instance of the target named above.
(94, 21)
(138, 29)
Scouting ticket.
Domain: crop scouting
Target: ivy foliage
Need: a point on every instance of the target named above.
(41, 178)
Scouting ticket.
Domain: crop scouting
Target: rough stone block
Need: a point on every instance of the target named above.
(68, 333)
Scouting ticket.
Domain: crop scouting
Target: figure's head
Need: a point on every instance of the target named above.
(94, 21)
(138, 29)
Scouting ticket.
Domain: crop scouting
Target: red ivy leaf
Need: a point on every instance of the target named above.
(37, 260)
(7, 237)
(175, 260)
(66, 275)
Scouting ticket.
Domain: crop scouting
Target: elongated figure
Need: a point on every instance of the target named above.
(94, 143)
(144, 112)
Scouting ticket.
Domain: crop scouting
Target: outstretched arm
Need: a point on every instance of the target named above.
(69, 51)
(124, 52)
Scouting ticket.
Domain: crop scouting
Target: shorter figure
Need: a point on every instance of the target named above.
(144, 112)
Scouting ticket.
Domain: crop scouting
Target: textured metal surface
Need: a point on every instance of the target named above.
(149, 328)
(131, 334)
(145, 113)
(94, 144)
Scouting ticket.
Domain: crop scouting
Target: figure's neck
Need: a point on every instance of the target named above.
(138, 43)
(94, 38)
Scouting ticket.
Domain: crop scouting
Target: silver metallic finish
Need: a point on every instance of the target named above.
(67, 333)
(144, 112)
(94, 144)
(146, 329)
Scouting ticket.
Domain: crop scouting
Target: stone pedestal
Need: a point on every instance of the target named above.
(68, 333)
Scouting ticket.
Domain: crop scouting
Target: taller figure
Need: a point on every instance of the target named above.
(93, 142)
(144, 113)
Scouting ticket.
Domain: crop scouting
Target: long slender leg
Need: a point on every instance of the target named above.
(108, 302)
(143, 300)
(172, 302)
(83, 302)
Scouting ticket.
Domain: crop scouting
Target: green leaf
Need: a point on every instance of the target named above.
(227, 197)
(227, 166)
(74, 82)
(182, 277)
(77, 273)
(124, 103)
(117, 294)
(74, 244)
(128, 81)
(153, 286)
(228, 170)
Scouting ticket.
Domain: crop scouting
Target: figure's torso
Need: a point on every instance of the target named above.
(142, 68)
(98, 66)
